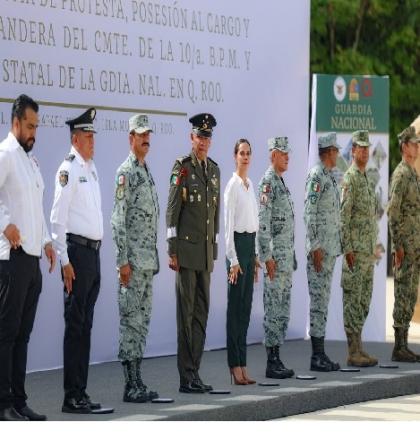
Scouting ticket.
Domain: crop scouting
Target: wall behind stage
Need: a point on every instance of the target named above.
(169, 60)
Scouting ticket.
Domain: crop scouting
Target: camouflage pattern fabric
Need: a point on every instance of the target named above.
(404, 219)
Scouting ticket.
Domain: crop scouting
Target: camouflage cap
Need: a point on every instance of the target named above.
(408, 135)
(139, 124)
(280, 143)
(328, 139)
(361, 138)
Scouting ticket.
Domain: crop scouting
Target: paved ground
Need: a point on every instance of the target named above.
(331, 395)
(406, 408)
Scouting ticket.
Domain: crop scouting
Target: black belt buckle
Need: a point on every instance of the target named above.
(95, 245)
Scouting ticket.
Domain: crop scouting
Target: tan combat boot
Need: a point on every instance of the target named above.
(406, 345)
(355, 358)
(400, 353)
(372, 360)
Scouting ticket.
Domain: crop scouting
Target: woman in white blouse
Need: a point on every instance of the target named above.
(241, 223)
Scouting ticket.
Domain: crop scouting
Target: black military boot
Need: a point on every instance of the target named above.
(132, 393)
(400, 353)
(142, 386)
(275, 367)
(406, 345)
(320, 362)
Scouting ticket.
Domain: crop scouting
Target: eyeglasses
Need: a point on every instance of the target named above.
(244, 153)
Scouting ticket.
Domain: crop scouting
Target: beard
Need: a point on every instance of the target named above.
(26, 147)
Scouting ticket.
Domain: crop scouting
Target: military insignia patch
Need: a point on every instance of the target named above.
(265, 188)
(120, 179)
(314, 187)
(263, 198)
(313, 198)
(63, 178)
(94, 176)
(175, 180)
(214, 181)
(120, 192)
(184, 172)
(82, 179)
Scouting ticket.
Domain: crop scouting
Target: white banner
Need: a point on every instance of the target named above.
(247, 65)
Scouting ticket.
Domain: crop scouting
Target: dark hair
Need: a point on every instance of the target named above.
(21, 104)
(238, 144)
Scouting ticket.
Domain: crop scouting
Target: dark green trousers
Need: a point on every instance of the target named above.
(240, 300)
(192, 309)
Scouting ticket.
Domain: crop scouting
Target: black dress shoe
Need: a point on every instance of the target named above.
(10, 414)
(72, 406)
(85, 399)
(191, 387)
(207, 387)
(30, 414)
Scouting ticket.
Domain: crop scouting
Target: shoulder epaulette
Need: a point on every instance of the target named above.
(184, 159)
(70, 157)
(214, 162)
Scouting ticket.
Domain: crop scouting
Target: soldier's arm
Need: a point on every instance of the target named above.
(264, 222)
(119, 218)
(347, 198)
(397, 190)
(216, 222)
(174, 208)
(312, 193)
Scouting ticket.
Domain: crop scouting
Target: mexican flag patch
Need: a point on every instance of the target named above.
(265, 188)
(175, 180)
(314, 187)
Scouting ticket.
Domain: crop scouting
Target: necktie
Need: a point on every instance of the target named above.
(203, 168)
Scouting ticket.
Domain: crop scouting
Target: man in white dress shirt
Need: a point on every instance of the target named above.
(23, 237)
(77, 230)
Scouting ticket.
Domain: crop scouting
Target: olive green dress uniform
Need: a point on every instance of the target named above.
(192, 218)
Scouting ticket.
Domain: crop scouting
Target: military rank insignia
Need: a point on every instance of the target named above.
(315, 187)
(175, 180)
(63, 178)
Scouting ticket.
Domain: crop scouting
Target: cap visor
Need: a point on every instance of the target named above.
(141, 130)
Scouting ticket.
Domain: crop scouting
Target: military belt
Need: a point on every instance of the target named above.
(84, 241)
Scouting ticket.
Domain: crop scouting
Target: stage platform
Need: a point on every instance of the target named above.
(252, 402)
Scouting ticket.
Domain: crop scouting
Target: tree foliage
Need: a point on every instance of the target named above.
(372, 37)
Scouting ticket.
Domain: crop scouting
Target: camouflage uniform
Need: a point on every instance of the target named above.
(358, 225)
(322, 220)
(134, 224)
(276, 236)
(404, 220)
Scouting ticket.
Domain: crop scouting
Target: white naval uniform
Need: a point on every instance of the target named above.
(77, 204)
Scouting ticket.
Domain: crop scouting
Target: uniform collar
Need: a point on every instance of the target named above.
(79, 158)
(411, 169)
(135, 160)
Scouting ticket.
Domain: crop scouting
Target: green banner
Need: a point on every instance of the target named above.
(349, 103)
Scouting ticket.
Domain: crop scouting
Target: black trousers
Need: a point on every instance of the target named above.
(192, 310)
(239, 304)
(20, 287)
(78, 317)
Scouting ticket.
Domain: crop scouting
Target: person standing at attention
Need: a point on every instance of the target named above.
(23, 237)
(241, 224)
